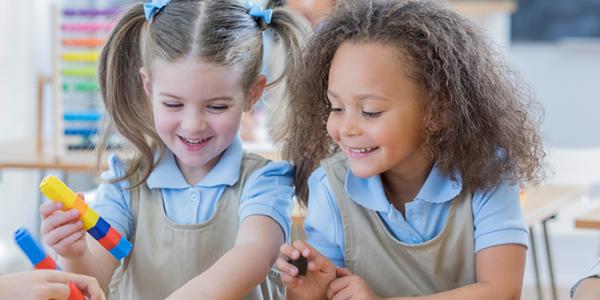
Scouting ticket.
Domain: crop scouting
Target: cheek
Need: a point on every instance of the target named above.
(332, 128)
(227, 125)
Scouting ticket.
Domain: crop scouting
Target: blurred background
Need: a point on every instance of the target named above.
(49, 113)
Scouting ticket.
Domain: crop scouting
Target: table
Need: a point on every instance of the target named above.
(540, 205)
(589, 220)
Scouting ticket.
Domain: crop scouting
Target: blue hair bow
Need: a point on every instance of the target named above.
(258, 12)
(153, 8)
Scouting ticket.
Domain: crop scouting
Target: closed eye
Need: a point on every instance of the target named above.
(371, 114)
(172, 105)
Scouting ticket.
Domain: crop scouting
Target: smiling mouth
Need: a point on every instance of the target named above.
(363, 150)
(194, 141)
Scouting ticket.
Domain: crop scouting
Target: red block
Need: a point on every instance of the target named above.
(111, 239)
(46, 263)
(75, 292)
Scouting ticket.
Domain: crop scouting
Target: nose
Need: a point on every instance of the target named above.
(193, 122)
(349, 125)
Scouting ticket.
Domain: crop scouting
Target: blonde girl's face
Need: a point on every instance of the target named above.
(377, 110)
(197, 109)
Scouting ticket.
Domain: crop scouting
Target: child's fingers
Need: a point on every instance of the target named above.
(344, 294)
(59, 218)
(304, 248)
(336, 286)
(47, 208)
(341, 272)
(289, 251)
(52, 290)
(65, 243)
(285, 267)
(289, 281)
(60, 233)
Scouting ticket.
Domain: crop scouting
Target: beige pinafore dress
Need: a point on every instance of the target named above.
(393, 268)
(166, 255)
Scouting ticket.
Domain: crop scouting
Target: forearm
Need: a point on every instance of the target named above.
(233, 276)
(480, 290)
(95, 262)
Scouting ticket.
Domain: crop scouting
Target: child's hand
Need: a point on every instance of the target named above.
(321, 271)
(62, 230)
(349, 286)
(47, 284)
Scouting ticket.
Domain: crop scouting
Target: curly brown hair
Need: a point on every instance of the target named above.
(481, 121)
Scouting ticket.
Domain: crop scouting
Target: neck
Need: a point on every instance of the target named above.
(194, 175)
(403, 184)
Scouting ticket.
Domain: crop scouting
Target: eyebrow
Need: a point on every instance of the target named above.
(360, 96)
(226, 98)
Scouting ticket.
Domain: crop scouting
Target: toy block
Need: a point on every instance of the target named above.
(122, 249)
(80, 206)
(57, 191)
(32, 249)
(111, 239)
(90, 218)
(46, 264)
(100, 229)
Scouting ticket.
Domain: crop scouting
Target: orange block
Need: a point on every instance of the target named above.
(80, 206)
(111, 239)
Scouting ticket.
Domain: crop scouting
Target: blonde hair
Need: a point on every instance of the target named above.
(217, 31)
(481, 122)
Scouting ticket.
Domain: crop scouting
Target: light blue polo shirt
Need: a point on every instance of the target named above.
(497, 214)
(268, 191)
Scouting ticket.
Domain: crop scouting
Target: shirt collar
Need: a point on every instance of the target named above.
(368, 192)
(226, 172)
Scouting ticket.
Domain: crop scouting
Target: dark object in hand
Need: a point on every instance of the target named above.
(300, 263)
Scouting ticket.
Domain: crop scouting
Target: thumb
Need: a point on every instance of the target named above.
(342, 272)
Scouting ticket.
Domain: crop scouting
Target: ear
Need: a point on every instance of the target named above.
(255, 92)
(146, 82)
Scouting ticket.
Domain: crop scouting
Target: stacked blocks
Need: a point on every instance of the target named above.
(95, 225)
(40, 260)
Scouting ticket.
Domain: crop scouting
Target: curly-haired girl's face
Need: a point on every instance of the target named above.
(377, 110)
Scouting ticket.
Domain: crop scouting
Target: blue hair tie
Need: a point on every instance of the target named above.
(258, 12)
(153, 8)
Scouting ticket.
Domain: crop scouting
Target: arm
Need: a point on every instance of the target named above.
(95, 262)
(588, 289)
(243, 267)
(499, 273)
(47, 284)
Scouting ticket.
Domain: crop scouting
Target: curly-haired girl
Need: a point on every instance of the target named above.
(418, 138)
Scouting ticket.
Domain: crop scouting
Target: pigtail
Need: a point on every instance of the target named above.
(123, 95)
(292, 31)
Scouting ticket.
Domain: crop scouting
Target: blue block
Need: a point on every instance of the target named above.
(122, 249)
(29, 245)
(100, 229)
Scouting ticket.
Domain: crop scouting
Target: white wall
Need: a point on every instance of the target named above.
(24, 51)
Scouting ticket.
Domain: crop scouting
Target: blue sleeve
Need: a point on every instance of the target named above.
(269, 192)
(498, 217)
(323, 222)
(594, 272)
(112, 200)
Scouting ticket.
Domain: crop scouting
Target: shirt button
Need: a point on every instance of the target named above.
(414, 240)
(194, 198)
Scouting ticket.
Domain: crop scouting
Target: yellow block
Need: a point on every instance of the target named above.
(90, 218)
(57, 191)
